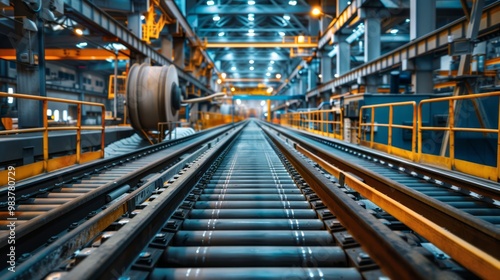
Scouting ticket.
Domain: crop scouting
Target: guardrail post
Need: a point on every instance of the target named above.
(451, 118)
(103, 124)
(389, 130)
(372, 130)
(414, 132)
(78, 132)
(45, 107)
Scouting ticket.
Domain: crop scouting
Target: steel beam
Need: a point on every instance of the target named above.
(420, 46)
(72, 54)
(172, 8)
(89, 13)
(211, 45)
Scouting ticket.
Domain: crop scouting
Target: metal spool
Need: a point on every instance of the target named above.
(153, 96)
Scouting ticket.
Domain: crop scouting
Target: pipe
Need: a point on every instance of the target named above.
(205, 98)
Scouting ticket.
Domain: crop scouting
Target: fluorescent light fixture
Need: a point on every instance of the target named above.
(233, 68)
(81, 45)
(270, 68)
(270, 89)
(251, 3)
(292, 3)
(79, 31)
(143, 17)
(223, 75)
(251, 61)
(286, 17)
(336, 75)
(407, 20)
(251, 17)
(272, 62)
(238, 101)
(216, 18)
(268, 74)
(251, 68)
(219, 81)
(394, 31)
(221, 34)
(281, 33)
(10, 100)
(251, 31)
(278, 76)
(210, 3)
(263, 103)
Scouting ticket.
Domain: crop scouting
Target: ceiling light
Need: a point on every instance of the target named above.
(348, 2)
(221, 34)
(286, 17)
(223, 75)
(233, 89)
(301, 38)
(81, 45)
(251, 17)
(251, 31)
(79, 31)
(251, 68)
(268, 74)
(272, 61)
(210, 3)
(407, 20)
(238, 101)
(336, 75)
(143, 17)
(278, 76)
(281, 33)
(320, 76)
(251, 3)
(270, 89)
(216, 18)
(219, 81)
(394, 31)
(270, 68)
(316, 11)
(292, 3)
(233, 68)
(251, 61)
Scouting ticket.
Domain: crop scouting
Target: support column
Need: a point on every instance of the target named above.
(29, 78)
(326, 68)
(371, 84)
(343, 55)
(167, 46)
(341, 5)
(134, 23)
(179, 56)
(422, 21)
(372, 38)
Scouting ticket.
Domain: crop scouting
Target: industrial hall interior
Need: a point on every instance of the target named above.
(235, 139)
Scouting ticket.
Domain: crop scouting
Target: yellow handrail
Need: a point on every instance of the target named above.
(389, 148)
(317, 121)
(45, 129)
(450, 162)
(211, 119)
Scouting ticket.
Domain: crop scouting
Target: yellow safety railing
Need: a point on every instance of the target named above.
(48, 164)
(210, 119)
(323, 122)
(370, 126)
(450, 162)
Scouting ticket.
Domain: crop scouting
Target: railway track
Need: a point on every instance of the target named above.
(49, 205)
(251, 207)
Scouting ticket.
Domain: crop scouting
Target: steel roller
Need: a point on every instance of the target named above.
(153, 96)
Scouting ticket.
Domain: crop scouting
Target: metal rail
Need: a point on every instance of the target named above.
(86, 197)
(224, 225)
(482, 234)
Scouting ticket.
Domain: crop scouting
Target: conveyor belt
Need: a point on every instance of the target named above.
(251, 220)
